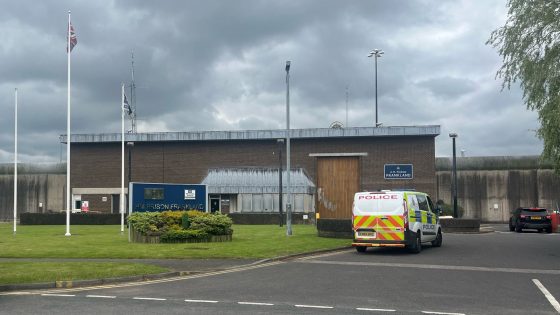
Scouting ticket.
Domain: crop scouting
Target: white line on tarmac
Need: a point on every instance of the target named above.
(149, 299)
(441, 313)
(133, 284)
(64, 295)
(436, 267)
(314, 306)
(102, 296)
(375, 309)
(201, 301)
(342, 251)
(255, 303)
(547, 294)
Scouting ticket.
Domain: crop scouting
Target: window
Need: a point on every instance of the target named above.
(153, 193)
(422, 203)
(268, 202)
(257, 203)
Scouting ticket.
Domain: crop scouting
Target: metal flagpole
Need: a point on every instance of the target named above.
(288, 157)
(122, 158)
(68, 196)
(15, 159)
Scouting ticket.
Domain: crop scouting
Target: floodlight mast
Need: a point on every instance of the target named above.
(377, 53)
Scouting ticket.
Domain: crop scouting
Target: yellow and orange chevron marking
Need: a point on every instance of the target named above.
(387, 227)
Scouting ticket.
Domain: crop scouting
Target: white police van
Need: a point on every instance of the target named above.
(395, 219)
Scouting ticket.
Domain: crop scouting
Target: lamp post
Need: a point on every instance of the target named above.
(289, 196)
(377, 53)
(454, 184)
(280, 144)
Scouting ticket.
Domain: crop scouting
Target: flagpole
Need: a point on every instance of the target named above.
(68, 196)
(15, 159)
(122, 158)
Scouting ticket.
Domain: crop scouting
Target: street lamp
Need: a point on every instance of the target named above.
(280, 144)
(377, 53)
(454, 184)
(289, 196)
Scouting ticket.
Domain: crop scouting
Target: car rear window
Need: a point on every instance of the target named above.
(533, 211)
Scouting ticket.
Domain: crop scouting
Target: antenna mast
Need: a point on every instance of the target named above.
(133, 98)
(347, 107)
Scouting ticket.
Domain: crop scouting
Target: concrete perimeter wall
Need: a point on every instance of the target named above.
(490, 187)
(37, 184)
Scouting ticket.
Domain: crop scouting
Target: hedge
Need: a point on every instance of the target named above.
(180, 226)
(29, 218)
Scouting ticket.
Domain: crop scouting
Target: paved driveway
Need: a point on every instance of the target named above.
(491, 273)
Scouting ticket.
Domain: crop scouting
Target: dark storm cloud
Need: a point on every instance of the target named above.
(219, 65)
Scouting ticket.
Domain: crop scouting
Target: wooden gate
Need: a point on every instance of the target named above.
(337, 181)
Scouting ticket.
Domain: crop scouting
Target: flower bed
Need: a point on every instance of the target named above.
(179, 227)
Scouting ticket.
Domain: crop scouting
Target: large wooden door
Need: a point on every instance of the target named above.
(337, 182)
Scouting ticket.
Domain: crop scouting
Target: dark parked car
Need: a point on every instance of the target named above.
(530, 218)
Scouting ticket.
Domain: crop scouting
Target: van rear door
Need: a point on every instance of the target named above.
(378, 216)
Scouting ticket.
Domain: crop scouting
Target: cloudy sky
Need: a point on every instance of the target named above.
(219, 65)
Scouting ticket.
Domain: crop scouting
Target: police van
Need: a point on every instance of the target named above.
(395, 219)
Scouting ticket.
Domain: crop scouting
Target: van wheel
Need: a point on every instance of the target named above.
(361, 249)
(518, 229)
(439, 240)
(549, 230)
(416, 247)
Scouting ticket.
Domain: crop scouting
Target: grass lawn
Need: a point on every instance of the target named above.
(106, 241)
(37, 272)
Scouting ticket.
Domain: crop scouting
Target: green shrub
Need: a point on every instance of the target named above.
(185, 221)
(146, 222)
(177, 224)
(172, 236)
(214, 224)
(447, 210)
(196, 213)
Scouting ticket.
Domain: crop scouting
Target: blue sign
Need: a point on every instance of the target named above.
(153, 197)
(398, 171)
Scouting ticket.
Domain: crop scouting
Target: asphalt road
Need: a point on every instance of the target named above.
(491, 273)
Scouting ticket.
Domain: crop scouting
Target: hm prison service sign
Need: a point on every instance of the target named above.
(398, 171)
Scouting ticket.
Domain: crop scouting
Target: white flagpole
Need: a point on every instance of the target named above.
(15, 159)
(68, 196)
(122, 158)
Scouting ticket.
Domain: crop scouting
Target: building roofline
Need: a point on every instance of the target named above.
(389, 131)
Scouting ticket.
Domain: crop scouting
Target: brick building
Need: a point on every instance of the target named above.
(338, 162)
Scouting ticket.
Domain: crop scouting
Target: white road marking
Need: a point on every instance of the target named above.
(338, 252)
(547, 294)
(102, 296)
(149, 299)
(314, 306)
(375, 309)
(201, 301)
(134, 284)
(255, 303)
(436, 267)
(441, 313)
(64, 295)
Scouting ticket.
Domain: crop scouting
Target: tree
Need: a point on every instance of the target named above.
(529, 44)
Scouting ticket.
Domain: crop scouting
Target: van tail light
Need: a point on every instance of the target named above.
(548, 217)
(405, 215)
(522, 216)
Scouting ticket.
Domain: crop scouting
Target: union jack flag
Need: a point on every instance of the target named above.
(126, 106)
(73, 38)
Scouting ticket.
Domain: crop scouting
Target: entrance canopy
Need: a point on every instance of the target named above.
(256, 181)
